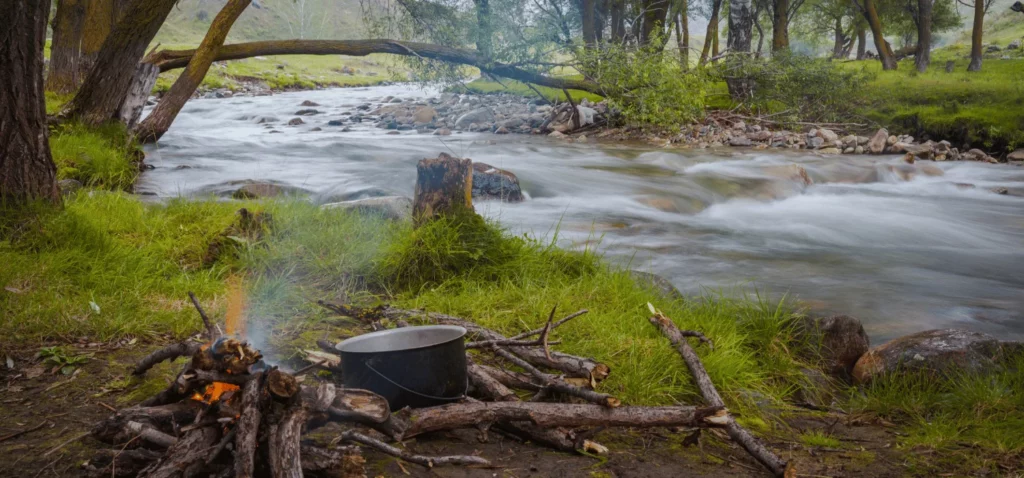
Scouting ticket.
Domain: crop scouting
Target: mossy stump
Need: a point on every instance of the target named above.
(444, 187)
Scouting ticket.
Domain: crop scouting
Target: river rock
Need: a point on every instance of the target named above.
(556, 134)
(939, 351)
(501, 130)
(398, 208)
(479, 115)
(424, 114)
(1014, 45)
(658, 283)
(740, 141)
(815, 142)
(295, 122)
(442, 132)
(69, 186)
(260, 190)
(829, 151)
(494, 183)
(828, 135)
(839, 340)
(309, 103)
(876, 145)
(307, 112)
(335, 123)
(1017, 155)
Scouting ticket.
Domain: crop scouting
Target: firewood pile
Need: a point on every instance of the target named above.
(228, 413)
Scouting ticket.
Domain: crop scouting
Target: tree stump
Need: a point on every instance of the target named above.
(444, 186)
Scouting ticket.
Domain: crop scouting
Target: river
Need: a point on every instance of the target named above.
(902, 247)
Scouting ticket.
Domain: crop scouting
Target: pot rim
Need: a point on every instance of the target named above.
(459, 333)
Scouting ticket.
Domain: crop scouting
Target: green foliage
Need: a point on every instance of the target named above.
(797, 88)
(103, 157)
(819, 439)
(482, 86)
(55, 101)
(646, 86)
(62, 359)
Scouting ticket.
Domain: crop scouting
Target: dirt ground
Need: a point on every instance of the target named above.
(54, 412)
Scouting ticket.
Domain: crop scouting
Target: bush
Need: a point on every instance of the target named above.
(647, 87)
(795, 87)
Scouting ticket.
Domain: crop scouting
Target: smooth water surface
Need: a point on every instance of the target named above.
(903, 247)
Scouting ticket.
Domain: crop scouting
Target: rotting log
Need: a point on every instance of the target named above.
(549, 415)
(444, 187)
(171, 59)
(707, 389)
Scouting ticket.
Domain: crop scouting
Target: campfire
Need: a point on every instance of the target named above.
(228, 413)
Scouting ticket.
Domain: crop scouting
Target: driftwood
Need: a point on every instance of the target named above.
(462, 415)
(707, 389)
(555, 384)
(444, 187)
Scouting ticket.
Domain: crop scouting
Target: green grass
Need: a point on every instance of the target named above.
(819, 439)
(107, 266)
(103, 157)
(481, 86)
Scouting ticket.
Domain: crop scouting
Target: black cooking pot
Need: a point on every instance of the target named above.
(410, 366)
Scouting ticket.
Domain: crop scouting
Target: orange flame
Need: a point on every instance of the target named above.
(214, 391)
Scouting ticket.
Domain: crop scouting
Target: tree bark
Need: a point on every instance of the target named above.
(840, 39)
(711, 37)
(741, 26)
(65, 49)
(160, 119)
(27, 172)
(924, 35)
(444, 187)
(683, 36)
(588, 20)
(484, 28)
(884, 52)
(103, 91)
(100, 19)
(654, 14)
(172, 59)
(138, 92)
(780, 26)
(714, 37)
(979, 26)
(618, 20)
(862, 40)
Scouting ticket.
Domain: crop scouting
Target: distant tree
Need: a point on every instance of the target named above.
(885, 54)
(741, 25)
(27, 171)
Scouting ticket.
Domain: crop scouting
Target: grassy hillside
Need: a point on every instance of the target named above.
(267, 20)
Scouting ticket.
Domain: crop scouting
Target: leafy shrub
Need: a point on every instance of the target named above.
(794, 87)
(646, 86)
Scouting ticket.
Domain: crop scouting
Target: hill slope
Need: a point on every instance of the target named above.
(266, 20)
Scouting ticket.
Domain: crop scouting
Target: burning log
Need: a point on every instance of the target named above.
(282, 386)
(770, 460)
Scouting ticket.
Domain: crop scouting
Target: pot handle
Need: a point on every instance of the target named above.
(461, 396)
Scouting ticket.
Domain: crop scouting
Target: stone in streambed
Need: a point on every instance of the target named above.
(307, 112)
(479, 115)
(494, 183)
(260, 190)
(295, 122)
(658, 283)
(309, 103)
(398, 208)
(877, 143)
(839, 341)
(935, 351)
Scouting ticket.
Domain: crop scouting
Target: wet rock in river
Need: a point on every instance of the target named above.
(839, 341)
(398, 208)
(260, 190)
(936, 351)
(307, 112)
(877, 143)
(309, 103)
(1017, 155)
(658, 283)
(494, 183)
(295, 122)
(479, 115)
(335, 123)
(424, 114)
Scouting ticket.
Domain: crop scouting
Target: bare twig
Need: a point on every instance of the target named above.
(561, 321)
(27, 430)
(556, 384)
(427, 461)
(211, 332)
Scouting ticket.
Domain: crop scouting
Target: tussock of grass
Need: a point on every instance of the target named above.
(819, 439)
(103, 157)
(107, 266)
(945, 412)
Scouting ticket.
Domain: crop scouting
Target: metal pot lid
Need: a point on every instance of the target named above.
(401, 339)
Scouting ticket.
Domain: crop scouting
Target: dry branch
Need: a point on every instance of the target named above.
(170, 352)
(211, 331)
(555, 384)
(427, 461)
(707, 389)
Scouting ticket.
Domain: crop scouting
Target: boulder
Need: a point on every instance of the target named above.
(556, 134)
(829, 151)
(479, 115)
(815, 142)
(938, 351)
(828, 135)
(398, 208)
(876, 145)
(494, 183)
(658, 283)
(740, 141)
(307, 112)
(335, 123)
(442, 132)
(501, 130)
(1017, 155)
(259, 190)
(295, 122)
(424, 114)
(309, 103)
(1014, 45)
(69, 186)
(839, 341)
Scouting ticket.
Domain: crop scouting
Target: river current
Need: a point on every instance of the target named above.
(902, 247)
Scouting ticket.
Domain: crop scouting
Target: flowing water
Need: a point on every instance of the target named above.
(903, 247)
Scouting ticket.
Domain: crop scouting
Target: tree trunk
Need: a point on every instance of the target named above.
(100, 18)
(741, 26)
(654, 15)
(780, 26)
(138, 93)
(484, 29)
(618, 27)
(711, 37)
(171, 59)
(884, 52)
(65, 49)
(27, 171)
(924, 35)
(862, 40)
(683, 39)
(979, 25)
(588, 10)
(714, 39)
(103, 91)
(602, 18)
(157, 123)
(444, 187)
(840, 39)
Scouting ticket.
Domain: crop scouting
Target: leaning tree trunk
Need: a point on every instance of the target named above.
(862, 40)
(979, 25)
(884, 52)
(103, 90)
(27, 171)
(741, 26)
(840, 39)
(65, 49)
(444, 187)
(159, 121)
(711, 37)
(100, 19)
(780, 26)
(924, 35)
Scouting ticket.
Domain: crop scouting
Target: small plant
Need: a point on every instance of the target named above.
(819, 439)
(60, 359)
